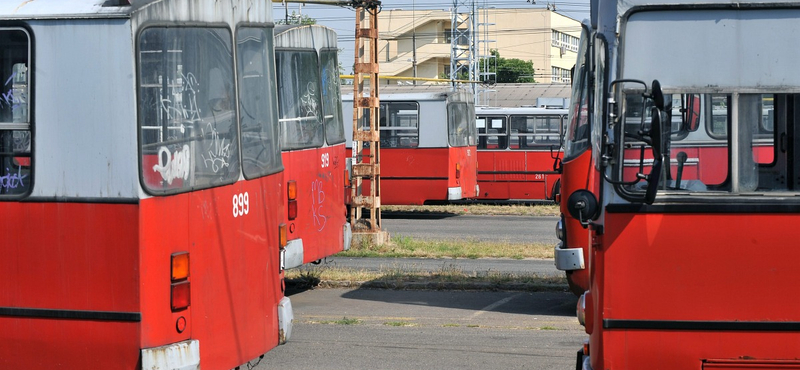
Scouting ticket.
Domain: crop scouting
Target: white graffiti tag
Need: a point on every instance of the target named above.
(317, 198)
(183, 103)
(173, 167)
(11, 181)
(218, 152)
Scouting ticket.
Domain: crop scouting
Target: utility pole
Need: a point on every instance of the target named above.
(414, 39)
(366, 128)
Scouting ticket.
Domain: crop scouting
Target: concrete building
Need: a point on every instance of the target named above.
(548, 39)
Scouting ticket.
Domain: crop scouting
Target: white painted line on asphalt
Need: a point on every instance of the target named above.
(495, 305)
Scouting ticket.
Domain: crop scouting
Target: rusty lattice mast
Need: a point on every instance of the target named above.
(366, 165)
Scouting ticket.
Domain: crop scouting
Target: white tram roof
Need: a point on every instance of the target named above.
(413, 93)
(485, 111)
(78, 9)
(309, 36)
(23, 9)
(625, 5)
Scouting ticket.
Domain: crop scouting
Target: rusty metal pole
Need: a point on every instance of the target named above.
(366, 165)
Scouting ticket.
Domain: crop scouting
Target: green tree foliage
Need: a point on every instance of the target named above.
(508, 70)
(296, 18)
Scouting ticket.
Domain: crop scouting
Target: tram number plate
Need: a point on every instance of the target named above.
(538, 176)
(241, 204)
(326, 160)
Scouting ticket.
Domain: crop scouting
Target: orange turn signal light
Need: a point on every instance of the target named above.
(282, 236)
(458, 170)
(291, 189)
(180, 266)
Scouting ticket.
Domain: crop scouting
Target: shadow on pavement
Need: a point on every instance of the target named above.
(514, 302)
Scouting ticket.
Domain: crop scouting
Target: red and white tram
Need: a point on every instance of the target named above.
(313, 143)
(428, 142)
(517, 150)
(141, 185)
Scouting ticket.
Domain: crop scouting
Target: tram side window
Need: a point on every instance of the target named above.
(399, 124)
(299, 101)
(492, 133)
(461, 127)
(258, 99)
(189, 136)
(331, 97)
(578, 130)
(529, 132)
(15, 127)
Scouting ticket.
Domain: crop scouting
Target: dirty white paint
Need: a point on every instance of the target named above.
(177, 356)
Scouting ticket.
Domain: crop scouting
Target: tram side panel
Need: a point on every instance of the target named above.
(72, 272)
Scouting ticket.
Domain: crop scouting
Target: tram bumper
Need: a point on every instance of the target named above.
(454, 193)
(285, 320)
(292, 255)
(348, 235)
(568, 259)
(177, 356)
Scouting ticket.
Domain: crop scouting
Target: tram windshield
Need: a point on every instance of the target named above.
(723, 142)
(259, 123)
(331, 97)
(726, 127)
(15, 127)
(461, 126)
(299, 103)
(187, 108)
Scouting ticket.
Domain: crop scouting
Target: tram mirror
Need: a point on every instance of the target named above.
(657, 95)
(583, 206)
(691, 112)
(652, 181)
(656, 133)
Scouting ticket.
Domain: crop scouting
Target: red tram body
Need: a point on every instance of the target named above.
(312, 142)
(142, 209)
(516, 153)
(428, 145)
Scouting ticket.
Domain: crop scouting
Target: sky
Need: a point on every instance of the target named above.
(342, 20)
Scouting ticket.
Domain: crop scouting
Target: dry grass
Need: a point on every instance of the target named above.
(403, 246)
(480, 209)
(449, 275)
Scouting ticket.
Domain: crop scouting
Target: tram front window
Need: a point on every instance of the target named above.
(15, 127)
(720, 142)
(187, 109)
(258, 119)
(299, 99)
(461, 125)
(331, 97)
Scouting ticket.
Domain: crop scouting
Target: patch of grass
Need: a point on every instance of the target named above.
(403, 246)
(481, 209)
(447, 274)
(399, 323)
(343, 321)
(473, 326)
(549, 328)
(451, 325)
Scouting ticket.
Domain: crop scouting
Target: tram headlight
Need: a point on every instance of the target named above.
(560, 233)
(584, 311)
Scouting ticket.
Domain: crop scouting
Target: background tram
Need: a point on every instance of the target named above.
(516, 152)
(142, 188)
(312, 143)
(428, 144)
